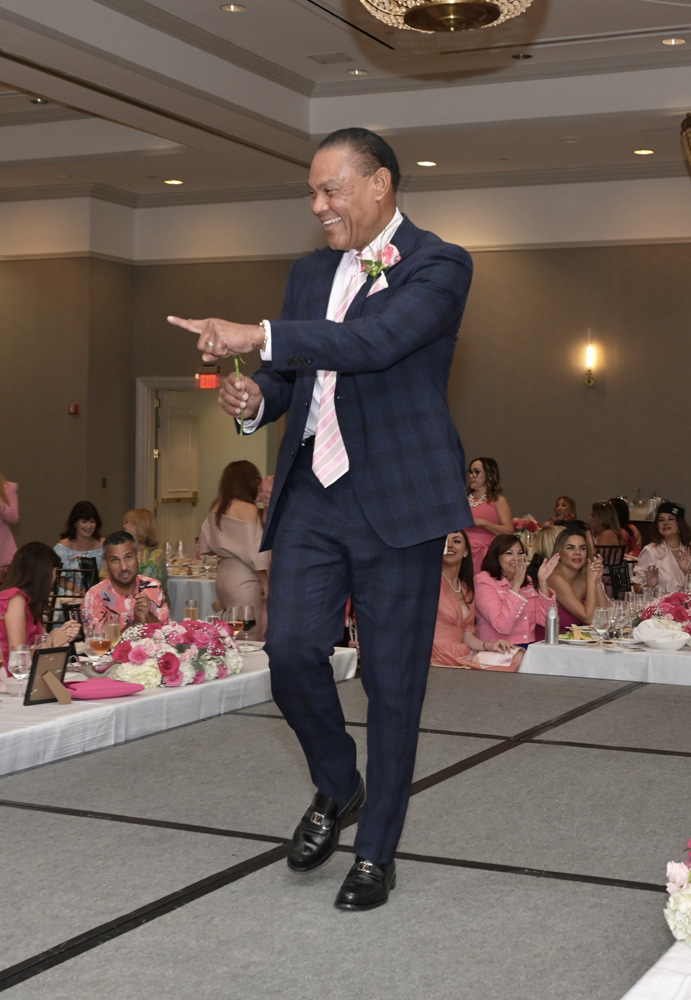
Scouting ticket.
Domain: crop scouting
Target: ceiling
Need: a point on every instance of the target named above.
(142, 91)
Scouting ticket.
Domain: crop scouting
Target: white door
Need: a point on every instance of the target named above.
(177, 468)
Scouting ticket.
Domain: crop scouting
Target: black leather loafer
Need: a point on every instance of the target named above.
(366, 885)
(316, 835)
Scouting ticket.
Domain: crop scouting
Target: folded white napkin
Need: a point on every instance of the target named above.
(656, 631)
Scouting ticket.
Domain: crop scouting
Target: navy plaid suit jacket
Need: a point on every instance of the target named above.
(393, 353)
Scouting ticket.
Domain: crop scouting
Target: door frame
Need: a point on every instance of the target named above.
(145, 432)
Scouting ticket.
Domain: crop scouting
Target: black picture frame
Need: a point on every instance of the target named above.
(51, 660)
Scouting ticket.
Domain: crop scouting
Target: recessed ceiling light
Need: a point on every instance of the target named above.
(674, 41)
(39, 100)
(570, 138)
(233, 8)
(426, 163)
(644, 152)
(358, 72)
(173, 182)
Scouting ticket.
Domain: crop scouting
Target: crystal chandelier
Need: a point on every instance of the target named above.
(444, 15)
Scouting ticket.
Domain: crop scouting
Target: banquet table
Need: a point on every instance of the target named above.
(609, 661)
(201, 589)
(37, 734)
(668, 979)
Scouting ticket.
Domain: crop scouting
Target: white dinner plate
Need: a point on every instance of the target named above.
(579, 642)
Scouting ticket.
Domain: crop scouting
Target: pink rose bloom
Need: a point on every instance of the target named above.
(158, 635)
(198, 677)
(121, 652)
(188, 654)
(169, 664)
(174, 680)
(677, 877)
(150, 647)
(222, 671)
(138, 655)
(390, 255)
(201, 639)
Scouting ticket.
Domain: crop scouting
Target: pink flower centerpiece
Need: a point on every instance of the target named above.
(673, 611)
(176, 654)
(678, 909)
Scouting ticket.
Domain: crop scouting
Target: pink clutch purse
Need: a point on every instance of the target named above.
(101, 687)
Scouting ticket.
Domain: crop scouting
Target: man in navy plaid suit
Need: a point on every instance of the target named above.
(378, 531)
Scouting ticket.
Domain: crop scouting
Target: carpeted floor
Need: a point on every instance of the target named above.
(532, 864)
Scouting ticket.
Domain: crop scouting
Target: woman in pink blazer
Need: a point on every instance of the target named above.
(507, 605)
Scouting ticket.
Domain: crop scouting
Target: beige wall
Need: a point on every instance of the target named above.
(82, 330)
(517, 391)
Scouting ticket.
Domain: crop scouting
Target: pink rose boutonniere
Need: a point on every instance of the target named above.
(375, 268)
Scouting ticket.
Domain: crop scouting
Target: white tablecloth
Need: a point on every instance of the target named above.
(36, 734)
(668, 979)
(612, 662)
(187, 588)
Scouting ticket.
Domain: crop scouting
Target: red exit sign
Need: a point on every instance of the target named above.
(208, 380)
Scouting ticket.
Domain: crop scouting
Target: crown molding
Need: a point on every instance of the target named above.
(183, 31)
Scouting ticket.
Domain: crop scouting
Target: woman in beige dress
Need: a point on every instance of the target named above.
(233, 532)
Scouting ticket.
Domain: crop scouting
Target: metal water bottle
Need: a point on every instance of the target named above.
(552, 627)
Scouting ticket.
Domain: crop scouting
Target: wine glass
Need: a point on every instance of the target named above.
(112, 631)
(191, 609)
(19, 664)
(601, 622)
(235, 619)
(249, 620)
(99, 644)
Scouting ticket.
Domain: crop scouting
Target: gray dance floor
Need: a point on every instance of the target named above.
(532, 864)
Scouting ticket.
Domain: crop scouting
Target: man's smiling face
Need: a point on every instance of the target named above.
(352, 208)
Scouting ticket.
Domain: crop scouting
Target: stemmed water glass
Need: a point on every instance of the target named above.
(249, 620)
(19, 664)
(601, 622)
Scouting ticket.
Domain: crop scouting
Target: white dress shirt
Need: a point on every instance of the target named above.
(345, 269)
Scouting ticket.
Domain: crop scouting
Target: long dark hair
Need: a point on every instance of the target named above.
(684, 529)
(239, 481)
(500, 545)
(31, 570)
(84, 508)
(492, 486)
(465, 570)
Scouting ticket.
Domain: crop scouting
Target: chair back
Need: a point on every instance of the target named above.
(89, 569)
(612, 555)
(620, 579)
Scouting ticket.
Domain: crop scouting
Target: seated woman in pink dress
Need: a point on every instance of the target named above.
(455, 642)
(491, 510)
(24, 598)
(507, 604)
(577, 579)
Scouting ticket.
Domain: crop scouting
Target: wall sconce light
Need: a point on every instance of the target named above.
(590, 362)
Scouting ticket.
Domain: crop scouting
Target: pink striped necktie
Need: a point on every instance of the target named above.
(330, 458)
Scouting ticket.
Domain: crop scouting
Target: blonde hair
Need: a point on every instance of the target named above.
(545, 539)
(145, 527)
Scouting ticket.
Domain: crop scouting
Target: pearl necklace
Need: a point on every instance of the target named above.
(476, 503)
(456, 591)
(671, 547)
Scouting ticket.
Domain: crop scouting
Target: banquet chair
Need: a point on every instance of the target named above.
(612, 557)
(89, 569)
(620, 578)
(70, 584)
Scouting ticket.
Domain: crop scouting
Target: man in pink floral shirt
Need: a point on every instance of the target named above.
(125, 596)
